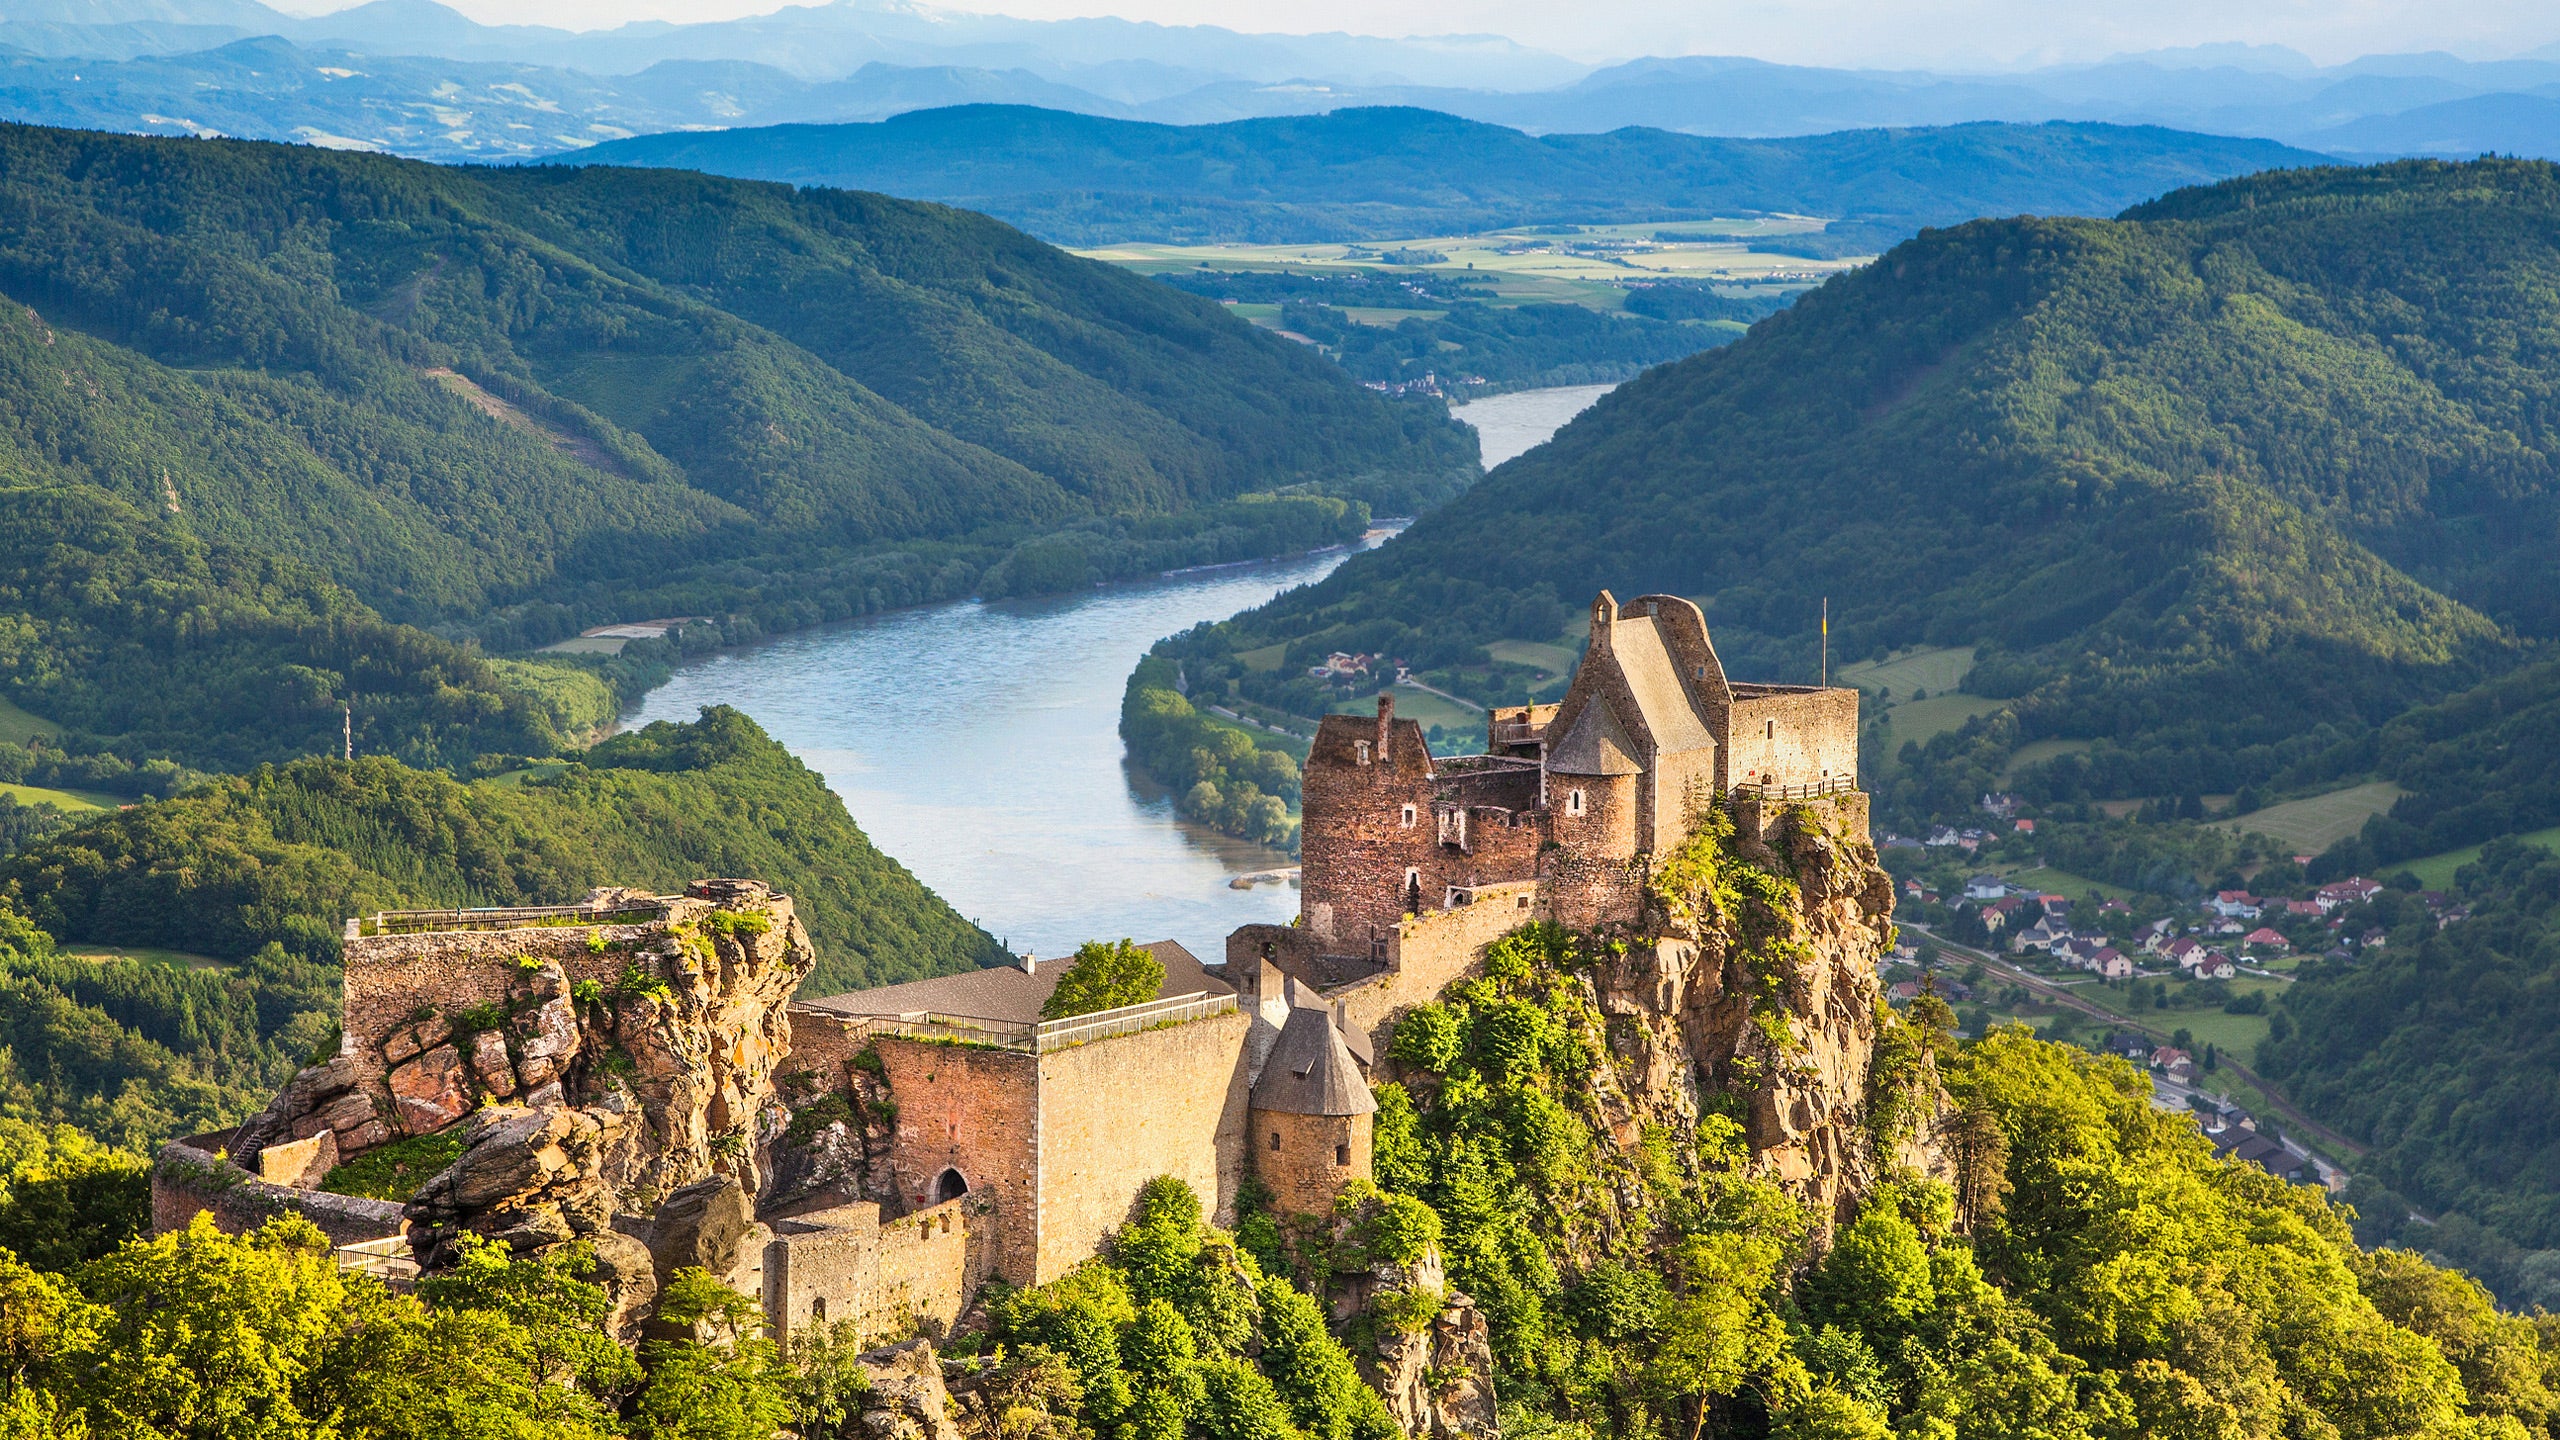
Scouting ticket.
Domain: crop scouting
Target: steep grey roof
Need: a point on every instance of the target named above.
(1003, 992)
(1655, 678)
(1311, 1071)
(1596, 745)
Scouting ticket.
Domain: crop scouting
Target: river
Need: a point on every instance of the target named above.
(978, 741)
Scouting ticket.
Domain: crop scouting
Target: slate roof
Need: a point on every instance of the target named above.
(1004, 992)
(1311, 1071)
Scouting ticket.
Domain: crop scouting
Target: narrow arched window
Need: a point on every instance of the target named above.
(1410, 815)
(1573, 802)
(1361, 749)
(1275, 1142)
(818, 1310)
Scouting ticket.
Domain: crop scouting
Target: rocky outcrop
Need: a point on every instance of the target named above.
(1753, 974)
(1431, 1355)
(644, 1099)
(907, 1400)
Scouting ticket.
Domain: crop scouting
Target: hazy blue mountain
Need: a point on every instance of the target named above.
(1374, 173)
(2526, 125)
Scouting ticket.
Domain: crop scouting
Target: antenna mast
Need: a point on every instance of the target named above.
(1826, 642)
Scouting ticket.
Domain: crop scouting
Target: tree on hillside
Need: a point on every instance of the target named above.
(1106, 975)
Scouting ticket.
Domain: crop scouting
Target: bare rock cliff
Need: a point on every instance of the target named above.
(1752, 974)
(665, 1081)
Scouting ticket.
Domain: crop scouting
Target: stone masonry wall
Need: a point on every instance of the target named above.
(1432, 951)
(915, 1271)
(1308, 1159)
(1354, 847)
(1798, 737)
(1117, 1112)
(194, 1176)
(976, 1111)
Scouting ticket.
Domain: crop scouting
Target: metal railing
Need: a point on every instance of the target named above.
(1129, 1019)
(502, 917)
(1041, 1037)
(1829, 785)
(385, 1259)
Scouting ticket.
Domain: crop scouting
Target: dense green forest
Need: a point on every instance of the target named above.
(1391, 172)
(2252, 460)
(274, 397)
(2092, 1272)
(2437, 1050)
(285, 854)
(1220, 775)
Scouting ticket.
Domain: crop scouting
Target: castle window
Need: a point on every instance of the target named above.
(1573, 802)
(1409, 817)
(1341, 1154)
(1772, 731)
(1275, 1142)
(1361, 748)
(818, 1311)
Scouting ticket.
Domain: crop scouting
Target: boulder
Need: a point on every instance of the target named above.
(490, 1065)
(429, 1092)
(702, 1224)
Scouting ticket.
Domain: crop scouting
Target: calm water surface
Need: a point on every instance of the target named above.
(978, 742)
(1513, 424)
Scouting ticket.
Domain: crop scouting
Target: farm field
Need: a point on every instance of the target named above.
(18, 726)
(1911, 671)
(1922, 719)
(148, 954)
(2436, 872)
(2315, 823)
(1588, 267)
(70, 802)
(2035, 751)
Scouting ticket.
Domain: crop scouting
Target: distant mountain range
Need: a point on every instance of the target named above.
(1380, 173)
(416, 78)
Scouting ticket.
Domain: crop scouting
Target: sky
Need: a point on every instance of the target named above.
(1974, 34)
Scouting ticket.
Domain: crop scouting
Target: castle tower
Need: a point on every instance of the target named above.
(1310, 1116)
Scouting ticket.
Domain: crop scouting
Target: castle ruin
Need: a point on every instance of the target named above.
(636, 1071)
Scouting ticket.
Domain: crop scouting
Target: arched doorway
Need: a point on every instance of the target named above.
(949, 1185)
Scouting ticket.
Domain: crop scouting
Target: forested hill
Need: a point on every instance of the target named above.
(503, 403)
(2258, 457)
(1390, 172)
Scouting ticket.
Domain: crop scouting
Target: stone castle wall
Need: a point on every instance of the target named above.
(195, 1176)
(886, 1276)
(1117, 1112)
(976, 1111)
(1793, 737)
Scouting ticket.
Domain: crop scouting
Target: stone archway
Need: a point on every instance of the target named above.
(949, 1185)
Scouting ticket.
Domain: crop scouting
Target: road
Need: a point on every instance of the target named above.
(2061, 995)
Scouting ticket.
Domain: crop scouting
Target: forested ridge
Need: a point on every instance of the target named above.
(2254, 459)
(272, 393)
(260, 871)
(1391, 172)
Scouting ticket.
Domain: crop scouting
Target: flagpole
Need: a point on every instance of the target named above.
(1826, 642)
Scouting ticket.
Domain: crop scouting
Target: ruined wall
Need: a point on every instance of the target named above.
(976, 1111)
(1308, 1159)
(1792, 736)
(888, 1277)
(1430, 952)
(195, 1176)
(1117, 1112)
(1354, 845)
